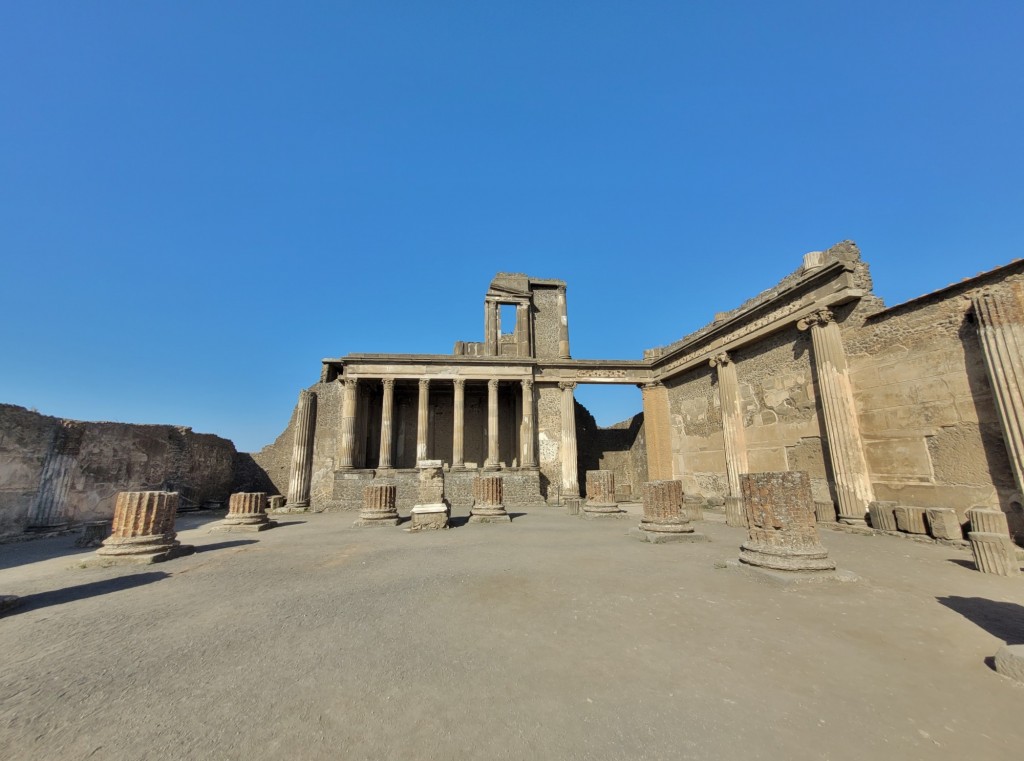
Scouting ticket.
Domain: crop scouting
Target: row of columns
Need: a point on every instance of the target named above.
(528, 458)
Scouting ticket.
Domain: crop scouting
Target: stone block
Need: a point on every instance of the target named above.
(1010, 662)
(944, 523)
(994, 553)
(910, 519)
(781, 524)
(715, 500)
(429, 518)
(824, 511)
(275, 502)
(988, 520)
(572, 505)
(735, 515)
(882, 516)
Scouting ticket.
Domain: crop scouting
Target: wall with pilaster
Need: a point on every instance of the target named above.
(546, 318)
(931, 430)
(620, 448)
(549, 437)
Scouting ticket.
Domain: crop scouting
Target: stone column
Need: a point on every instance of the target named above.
(780, 516)
(378, 506)
(657, 424)
(492, 425)
(459, 426)
(563, 325)
(143, 529)
(601, 495)
(849, 467)
(570, 474)
(1000, 320)
(386, 415)
(523, 329)
(527, 434)
(423, 420)
(732, 421)
(247, 511)
(302, 451)
(664, 518)
(348, 424)
(490, 327)
(488, 501)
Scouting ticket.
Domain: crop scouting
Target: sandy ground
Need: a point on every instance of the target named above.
(551, 637)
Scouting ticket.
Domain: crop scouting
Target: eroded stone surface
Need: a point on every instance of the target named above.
(910, 519)
(663, 508)
(944, 523)
(882, 516)
(781, 523)
(488, 501)
(379, 506)
(994, 553)
(143, 529)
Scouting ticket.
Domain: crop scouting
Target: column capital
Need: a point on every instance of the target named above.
(652, 385)
(424, 383)
(527, 383)
(567, 385)
(492, 383)
(722, 358)
(820, 318)
(388, 383)
(351, 383)
(459, 382)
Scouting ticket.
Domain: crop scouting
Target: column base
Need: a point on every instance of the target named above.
(106, 560)
(228, 526)
(429, 517)
(781, 559)
(659, 537)
(489, 514)
(602, 510)
(370, 522)
(493, 466)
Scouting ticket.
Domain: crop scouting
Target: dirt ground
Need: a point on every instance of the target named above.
(551, 637)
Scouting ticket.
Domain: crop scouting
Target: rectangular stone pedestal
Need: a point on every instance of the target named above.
(429, 517)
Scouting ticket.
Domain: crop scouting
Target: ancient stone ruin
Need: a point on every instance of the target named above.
(488, 501)
(665, 519)
(247, 511)
(433, 510)
(143, 529)
(378, 506)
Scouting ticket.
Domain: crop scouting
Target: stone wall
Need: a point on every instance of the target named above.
(620, 448)
(78, 467)
(545, 322)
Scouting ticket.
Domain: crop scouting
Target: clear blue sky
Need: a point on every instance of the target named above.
(199, 200)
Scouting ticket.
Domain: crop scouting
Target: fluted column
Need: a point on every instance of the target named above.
(422, 420)
(49, 508)
(732, 421)
(570, 474)
(492, 424)
(563, 325)
(302, 451)
(348, 424)
(1000, 320)
(386, 415)
(459, 425)
(143, 528)
(846, 452)
(247, 511)
(527, 434)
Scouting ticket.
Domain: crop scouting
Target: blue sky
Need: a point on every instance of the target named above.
(198, 201)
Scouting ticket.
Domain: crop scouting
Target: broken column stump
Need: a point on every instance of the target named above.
(379, 508)
(601, 495)
(432, 510)
(247, 512)
(664, 519)
(882, 516)
(572, 505)
(994, 553)
(782, 535)
(735, 515)
(693, 506)
(910, 519)
(988, 520)
(143, 529)
(488, 501)
(825, 511)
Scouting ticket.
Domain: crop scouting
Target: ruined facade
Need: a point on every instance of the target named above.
(916, 404)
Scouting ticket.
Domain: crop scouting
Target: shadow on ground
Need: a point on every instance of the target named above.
(83, 591)
(224, 545)
(1004, 620)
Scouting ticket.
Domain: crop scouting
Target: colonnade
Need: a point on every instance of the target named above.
(349, 423)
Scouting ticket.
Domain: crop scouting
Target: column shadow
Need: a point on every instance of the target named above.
(1003, 620)
(85, 591)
